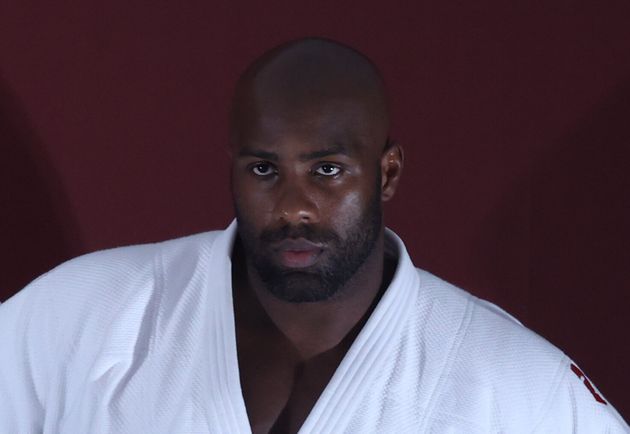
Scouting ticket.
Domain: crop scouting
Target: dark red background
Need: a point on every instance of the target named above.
(515, 120)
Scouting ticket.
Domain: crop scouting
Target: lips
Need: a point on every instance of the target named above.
(297, 253)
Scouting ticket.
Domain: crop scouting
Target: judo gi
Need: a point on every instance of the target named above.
(141, 339)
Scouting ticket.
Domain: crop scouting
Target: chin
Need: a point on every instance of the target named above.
(300, 287)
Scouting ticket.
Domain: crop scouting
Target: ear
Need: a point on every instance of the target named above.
(392, 162)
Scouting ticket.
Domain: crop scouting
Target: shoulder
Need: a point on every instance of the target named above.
(509, 375)
(67, 322)
(85, 292)
(106, 276)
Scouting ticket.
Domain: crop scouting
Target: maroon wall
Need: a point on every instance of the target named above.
(515, 121)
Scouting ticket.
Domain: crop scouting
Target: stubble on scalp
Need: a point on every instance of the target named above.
(300, 74)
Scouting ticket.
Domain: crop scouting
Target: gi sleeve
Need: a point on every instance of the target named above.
(24, 358)
(578, 407)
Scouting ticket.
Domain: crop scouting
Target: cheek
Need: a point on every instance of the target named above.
(251, 203)
(256, 206)
(345, 211)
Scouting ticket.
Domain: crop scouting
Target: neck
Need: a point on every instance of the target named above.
(316, 327)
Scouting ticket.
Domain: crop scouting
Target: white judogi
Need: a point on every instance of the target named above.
(141, 339)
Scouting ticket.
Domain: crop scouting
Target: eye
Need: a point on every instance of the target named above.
(328, 170)
(263, 169)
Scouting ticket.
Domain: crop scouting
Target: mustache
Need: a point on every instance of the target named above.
(308, 232)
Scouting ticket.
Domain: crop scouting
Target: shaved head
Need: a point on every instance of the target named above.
(299, 76)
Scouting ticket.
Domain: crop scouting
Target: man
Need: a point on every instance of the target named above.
(305, 314)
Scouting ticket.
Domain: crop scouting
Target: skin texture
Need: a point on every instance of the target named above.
(312, 164)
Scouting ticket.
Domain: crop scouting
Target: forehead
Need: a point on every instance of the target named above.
(346, 122)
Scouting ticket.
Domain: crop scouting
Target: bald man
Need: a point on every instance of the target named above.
(305, 314)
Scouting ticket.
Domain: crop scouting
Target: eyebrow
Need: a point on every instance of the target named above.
(264, 155)
(272, 156)
(335, 149)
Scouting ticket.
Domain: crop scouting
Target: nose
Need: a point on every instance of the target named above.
(295, 203)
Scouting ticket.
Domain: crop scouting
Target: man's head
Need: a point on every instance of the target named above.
(312, 163)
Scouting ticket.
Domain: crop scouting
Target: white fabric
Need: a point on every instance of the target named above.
(141, 339)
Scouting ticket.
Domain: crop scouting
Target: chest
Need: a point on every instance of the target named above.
(278, 388)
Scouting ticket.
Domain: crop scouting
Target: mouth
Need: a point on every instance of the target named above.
(298, 253)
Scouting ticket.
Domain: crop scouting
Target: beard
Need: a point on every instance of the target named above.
(323, 280)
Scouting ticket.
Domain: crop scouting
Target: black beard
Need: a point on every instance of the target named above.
(321, 281)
